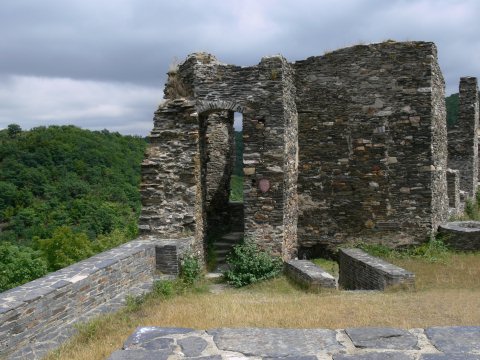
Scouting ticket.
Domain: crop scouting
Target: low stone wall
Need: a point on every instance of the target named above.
(38, 316)
(309, 275)
(461, 235)
(361, 271)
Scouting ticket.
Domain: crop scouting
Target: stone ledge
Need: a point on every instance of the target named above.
(361, 271)
(309, 275)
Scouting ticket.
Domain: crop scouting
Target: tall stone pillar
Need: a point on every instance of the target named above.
(462, 138)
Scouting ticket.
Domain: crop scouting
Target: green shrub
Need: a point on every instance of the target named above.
(248, 264)
(191, 270)
(164, 289)
(434, 250)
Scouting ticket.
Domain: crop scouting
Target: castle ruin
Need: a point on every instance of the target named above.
(345, 147)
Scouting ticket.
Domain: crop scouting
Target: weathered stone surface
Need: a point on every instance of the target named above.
(308, 274)
(449, 357)
(276, 342)
(463, 137)
(192, 346)
(375, 356)
(382, 338)
(373, 145)
(461, 235)
(146, 335)
(361, 271)
(311, 344)
(306, 357)
(140, 355)
(455, 339)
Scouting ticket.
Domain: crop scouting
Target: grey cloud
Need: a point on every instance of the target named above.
(133, 41)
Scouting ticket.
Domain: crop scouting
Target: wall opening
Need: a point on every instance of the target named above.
(236, 182)
(222, 181)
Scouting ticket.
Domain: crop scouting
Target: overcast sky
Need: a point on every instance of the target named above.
(101, 63)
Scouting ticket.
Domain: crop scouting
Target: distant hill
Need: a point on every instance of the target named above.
(65, 193)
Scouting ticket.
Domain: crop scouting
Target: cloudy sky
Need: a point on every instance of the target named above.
(101, 63)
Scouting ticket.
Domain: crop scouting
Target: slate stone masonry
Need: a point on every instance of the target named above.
(361, 271)
(351, 145)
(39, 316)
(463, 137)
(372, 145)
(435, 343)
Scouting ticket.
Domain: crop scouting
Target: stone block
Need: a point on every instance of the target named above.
(309, 275)
(382, 338)
(361, 271)
(455, 339)
(461, 235)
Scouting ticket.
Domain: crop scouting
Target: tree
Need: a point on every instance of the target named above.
(19, 265)
(13, 130)
(64, 248)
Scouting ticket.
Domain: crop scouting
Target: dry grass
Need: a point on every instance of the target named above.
(447, 294)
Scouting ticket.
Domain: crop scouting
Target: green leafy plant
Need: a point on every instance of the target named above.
(249, 264)
(164, 288)
(191, 270)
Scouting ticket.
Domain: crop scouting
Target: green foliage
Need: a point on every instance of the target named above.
(164, 289)
(472, 208)
(75, 191)
(64, 248)
(249, 264)
(191, 270)
(236, 188)
(238, 169)
(432, 251)
(18, 265)
(13, 130)
(451, 103)
(329, 266)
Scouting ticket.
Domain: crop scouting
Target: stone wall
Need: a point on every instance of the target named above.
(171, 189)
(360, 131)
(453, 190)
(38, 316)
(463, 137)
(372, 145)
(264, 94)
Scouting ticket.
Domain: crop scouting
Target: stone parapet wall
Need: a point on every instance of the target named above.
(463, 136)
(36, 317)
(361, 271)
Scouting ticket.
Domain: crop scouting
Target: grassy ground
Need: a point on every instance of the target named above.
(448, 293)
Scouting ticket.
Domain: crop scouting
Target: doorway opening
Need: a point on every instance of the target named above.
(222, 177)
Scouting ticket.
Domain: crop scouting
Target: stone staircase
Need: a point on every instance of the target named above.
(224, 245)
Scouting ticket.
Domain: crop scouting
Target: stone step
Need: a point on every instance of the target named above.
(233, 236)
(223, 245)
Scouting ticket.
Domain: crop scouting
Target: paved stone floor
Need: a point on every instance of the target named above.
(435, 343)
